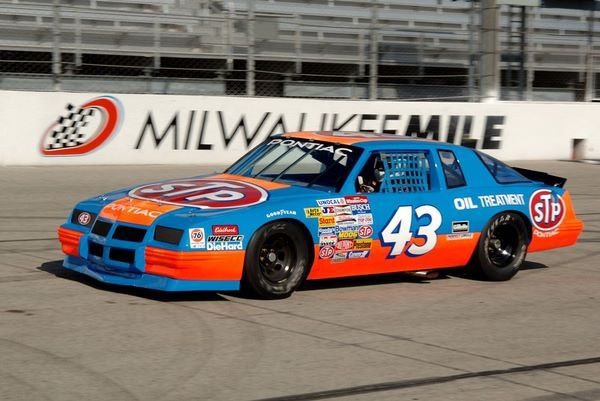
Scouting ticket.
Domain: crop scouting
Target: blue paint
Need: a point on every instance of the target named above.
(428, 187)
(149, 281)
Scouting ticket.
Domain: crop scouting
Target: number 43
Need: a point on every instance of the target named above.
(398, 234)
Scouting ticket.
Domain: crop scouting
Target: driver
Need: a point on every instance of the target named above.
(372, 175)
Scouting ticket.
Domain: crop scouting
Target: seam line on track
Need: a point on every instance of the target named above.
(427, 381)
(28, 239)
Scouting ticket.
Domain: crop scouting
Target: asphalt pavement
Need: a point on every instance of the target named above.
(65, 337)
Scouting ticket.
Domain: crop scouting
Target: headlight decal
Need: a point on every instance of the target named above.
(83, 218)
(168, 235)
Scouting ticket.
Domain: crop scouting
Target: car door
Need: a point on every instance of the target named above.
(401, 218)
(408, 207)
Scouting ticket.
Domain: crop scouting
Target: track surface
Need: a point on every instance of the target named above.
(63, 337)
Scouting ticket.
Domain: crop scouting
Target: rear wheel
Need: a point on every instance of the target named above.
(502, 247)
(276, 260)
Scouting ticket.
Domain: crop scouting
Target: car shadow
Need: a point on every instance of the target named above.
(348, 282)
(527, 265)
(466, 274)
(55, 268)
(370, 280)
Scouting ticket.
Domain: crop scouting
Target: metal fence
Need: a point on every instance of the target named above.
(415, 51)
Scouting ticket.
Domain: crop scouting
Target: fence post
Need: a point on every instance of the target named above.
(490, 51)
(156, 43)
(421, 55)
(361, 53)
(78, 57)
(56, 56)
(529, 59)
(374, 53)
(522, 45)
(250, 63)
(298, 45)
(589, 66)
(230, 16)
(471, 78)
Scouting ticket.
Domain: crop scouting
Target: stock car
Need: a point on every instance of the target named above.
(315, 205)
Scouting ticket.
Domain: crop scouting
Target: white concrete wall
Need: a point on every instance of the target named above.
(218, 130)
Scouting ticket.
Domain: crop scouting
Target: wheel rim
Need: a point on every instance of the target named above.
(277, 258)
(503, 245)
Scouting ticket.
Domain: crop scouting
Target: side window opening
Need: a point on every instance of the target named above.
(502, 173)
(452, 170)
(391, 172)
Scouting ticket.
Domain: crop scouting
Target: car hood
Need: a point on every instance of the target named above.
(203, 197)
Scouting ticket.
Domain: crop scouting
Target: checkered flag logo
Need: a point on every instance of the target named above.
(82, 129)
(69, 131)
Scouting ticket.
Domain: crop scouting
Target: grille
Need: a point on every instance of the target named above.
(101, 228)
(132, 234)
(95, 249)
(122, 255)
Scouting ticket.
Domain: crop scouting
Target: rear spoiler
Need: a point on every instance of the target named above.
(541, 176)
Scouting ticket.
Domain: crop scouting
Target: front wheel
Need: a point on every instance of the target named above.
(276, 260)
(501, 248)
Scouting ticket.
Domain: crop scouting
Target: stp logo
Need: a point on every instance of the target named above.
(547, 209)
(326, 252)
(365, 231)
(83, 129)
(203, 193)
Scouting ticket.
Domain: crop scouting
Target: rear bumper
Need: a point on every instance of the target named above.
(566, 235)
(143, 280)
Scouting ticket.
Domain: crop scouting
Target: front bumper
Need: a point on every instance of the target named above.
(148, 266)
(143, 280)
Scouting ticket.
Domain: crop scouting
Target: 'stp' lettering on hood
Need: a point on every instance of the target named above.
(203, 193)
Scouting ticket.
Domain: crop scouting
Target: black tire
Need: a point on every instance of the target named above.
(502, 248)
(277, 260)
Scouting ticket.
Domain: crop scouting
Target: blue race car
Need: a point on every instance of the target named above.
(314, 205)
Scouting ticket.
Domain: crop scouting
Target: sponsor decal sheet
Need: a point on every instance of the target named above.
(345, 227)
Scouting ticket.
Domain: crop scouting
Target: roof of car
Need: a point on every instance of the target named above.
(353, 138)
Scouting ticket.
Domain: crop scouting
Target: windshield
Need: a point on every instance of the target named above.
(313, 164)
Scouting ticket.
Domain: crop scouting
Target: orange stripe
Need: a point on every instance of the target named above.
(195, 265)
(268, 185)
(566, 234)
(69, 241)
(346, 139)
(135, 211)
(447, 253)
